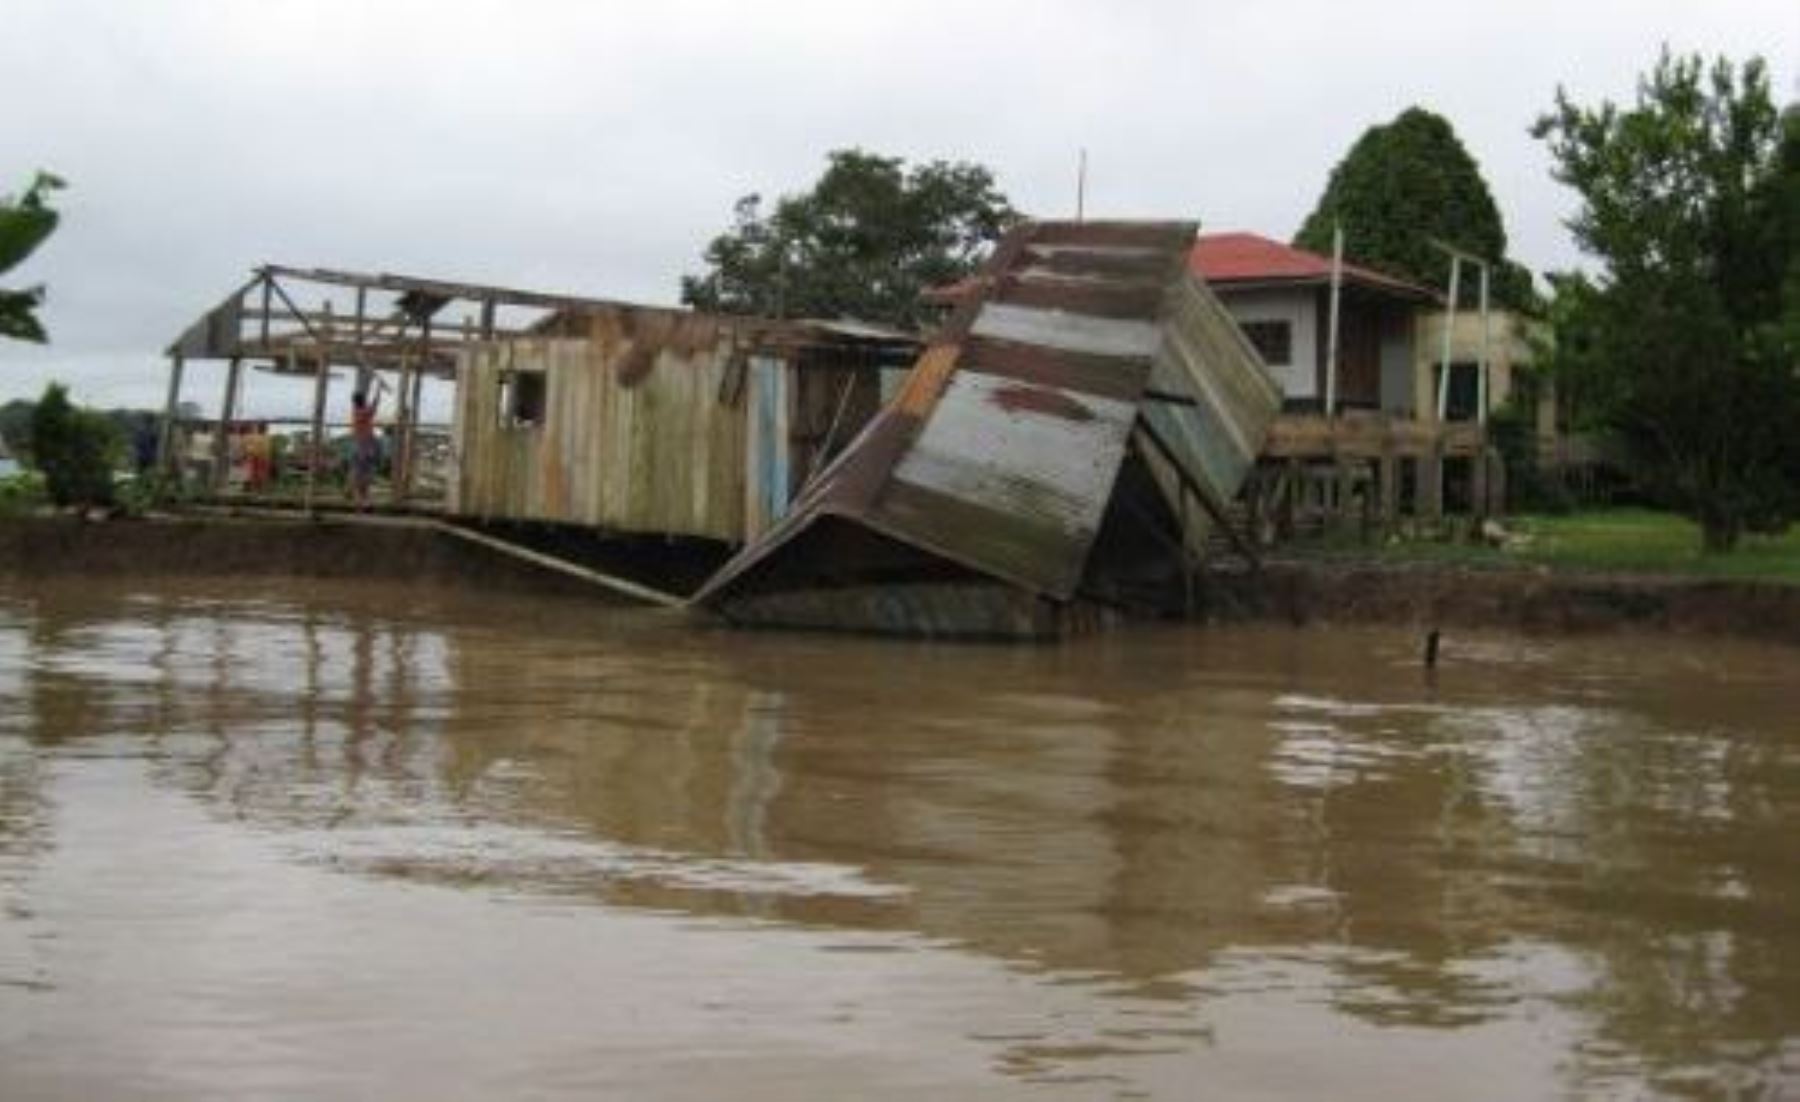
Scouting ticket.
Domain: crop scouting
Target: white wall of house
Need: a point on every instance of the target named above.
(1299, 308)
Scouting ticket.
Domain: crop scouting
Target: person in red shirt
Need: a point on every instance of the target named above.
(363, 446)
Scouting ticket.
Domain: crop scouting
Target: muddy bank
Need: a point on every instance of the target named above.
(329, 548)
(1300, 592)
(1529, 600)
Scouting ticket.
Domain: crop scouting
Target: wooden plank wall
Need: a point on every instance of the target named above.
(642, 432)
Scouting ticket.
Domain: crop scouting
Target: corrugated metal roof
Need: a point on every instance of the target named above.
(1240, 258)
(1000, 451)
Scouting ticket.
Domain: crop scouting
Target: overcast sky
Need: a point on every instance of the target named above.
(594, 147)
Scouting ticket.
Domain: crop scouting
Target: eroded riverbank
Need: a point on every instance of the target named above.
(1292, 591)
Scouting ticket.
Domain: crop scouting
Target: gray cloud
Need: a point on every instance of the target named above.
(594, 147)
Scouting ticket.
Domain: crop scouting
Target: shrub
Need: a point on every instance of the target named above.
(76, 449)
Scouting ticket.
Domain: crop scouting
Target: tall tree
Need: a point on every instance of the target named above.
(862, 243)
(24, 224)
(1686, 342)
(1401, 185)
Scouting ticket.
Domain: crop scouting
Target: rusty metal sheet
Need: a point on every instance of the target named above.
(1228, 398)
(1008, 472)
(1001, 451)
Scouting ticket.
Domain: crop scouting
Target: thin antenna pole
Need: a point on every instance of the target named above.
(1331, 338)
(1081, 187)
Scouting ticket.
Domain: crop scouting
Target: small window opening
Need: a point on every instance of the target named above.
(522, 399)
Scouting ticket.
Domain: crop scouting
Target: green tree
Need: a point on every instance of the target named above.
(76, 449)
(870, 235)
(24, 224)
(1686, 343)
(1403, 184)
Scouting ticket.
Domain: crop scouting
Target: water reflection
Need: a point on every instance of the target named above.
(1176, 840)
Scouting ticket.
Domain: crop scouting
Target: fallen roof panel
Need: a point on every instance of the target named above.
(1000, 451)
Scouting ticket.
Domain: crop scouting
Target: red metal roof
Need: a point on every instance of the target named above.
(1227, 258)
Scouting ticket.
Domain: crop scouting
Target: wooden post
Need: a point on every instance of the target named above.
(402, 416)
(1253, 503)
(1290, 496)
(1478, 481)
(165, 444)
(1346, 491)
(321, 383)
(412, 406)
(1390, 489)
(222, 441)
(409, 432)
(1496, 484)
(1431, 481)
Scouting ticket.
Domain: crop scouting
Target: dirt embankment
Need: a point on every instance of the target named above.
(1524, 599)
(299, 548)
(1303, 592)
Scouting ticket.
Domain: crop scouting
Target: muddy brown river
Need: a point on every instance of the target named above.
(329, 840)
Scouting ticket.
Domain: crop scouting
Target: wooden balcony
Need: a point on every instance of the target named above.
(1366, 435)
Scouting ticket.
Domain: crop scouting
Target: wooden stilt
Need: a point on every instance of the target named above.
(221, 472)
(402, 430)
(1431, 483)
(1390, 491)
(1478, 485)
(1345, 492)
(321, 384)
(409, 442)
(1290, 497)
(167, 438)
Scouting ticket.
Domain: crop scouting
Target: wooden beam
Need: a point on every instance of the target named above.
(443, 288)
(620, 586)
(322, 381)
(410, 443)
(222, 440)
(165, 446)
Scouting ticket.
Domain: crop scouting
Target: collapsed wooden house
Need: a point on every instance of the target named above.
(1066, 447)
(587, 413)
(1062, 449)
(633, 420)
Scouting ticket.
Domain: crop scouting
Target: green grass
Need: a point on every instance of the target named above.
(1641, 540)
(21, 494)
(1634, 541)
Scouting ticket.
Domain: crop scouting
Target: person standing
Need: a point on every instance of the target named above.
(363, 445)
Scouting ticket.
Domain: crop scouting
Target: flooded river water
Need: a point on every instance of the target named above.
(330, 840)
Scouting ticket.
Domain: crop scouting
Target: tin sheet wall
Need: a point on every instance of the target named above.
(1231, 397)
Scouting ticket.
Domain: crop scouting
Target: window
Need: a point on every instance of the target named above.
(522, 395)
(1274, 341)
(1465, 392)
